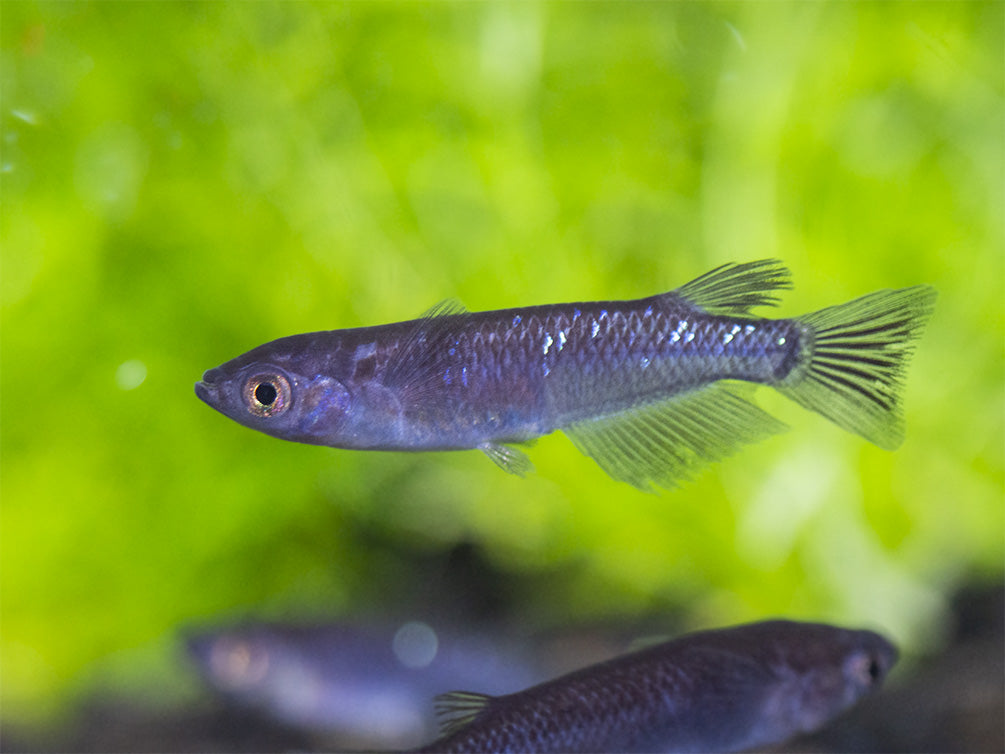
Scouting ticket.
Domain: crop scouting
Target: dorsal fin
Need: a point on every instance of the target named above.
(455, 709)
(735, 289)
(443, 309)
(415, 362)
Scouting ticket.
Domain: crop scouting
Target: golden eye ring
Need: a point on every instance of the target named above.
(267, 394)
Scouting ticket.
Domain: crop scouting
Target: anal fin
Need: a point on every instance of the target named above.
(666, 443)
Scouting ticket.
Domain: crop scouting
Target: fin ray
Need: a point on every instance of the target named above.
(416, 363)
(456, 709)
(667, 442)
(853, 369)
(509, 459)
(735, 289)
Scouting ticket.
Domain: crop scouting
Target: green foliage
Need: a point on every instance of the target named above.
(183, 181)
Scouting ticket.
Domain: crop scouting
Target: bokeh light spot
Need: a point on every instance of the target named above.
(130, 374)
(415, 645)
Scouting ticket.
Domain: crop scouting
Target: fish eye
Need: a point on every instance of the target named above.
(267, 394)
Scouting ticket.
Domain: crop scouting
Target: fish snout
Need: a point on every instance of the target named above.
(212, 376)
(208, 388)
(205, 392)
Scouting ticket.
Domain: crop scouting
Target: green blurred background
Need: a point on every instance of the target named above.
(184, 181)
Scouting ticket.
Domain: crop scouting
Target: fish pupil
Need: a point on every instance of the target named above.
(266, 393)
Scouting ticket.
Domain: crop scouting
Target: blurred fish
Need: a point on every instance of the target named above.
(637, 385)
(372, 684)
(715, 691)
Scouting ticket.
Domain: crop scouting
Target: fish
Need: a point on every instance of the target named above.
(652, 389)
(370, 683)
(723, 690)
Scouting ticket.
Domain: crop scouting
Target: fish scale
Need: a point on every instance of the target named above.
(635, 360)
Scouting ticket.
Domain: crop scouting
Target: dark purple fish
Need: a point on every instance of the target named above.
(715, 691)
(648, 388)
(369, 683)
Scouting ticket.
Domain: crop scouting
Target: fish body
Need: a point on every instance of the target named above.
(715, 691)
(369, 683)
(646, 387)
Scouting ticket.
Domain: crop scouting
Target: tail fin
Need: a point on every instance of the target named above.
(853, 367)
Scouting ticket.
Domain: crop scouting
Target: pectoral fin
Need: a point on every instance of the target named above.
(665, 443)
(418, 365)
(459, 708)
(508, 458)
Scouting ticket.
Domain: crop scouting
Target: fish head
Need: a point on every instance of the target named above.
(235, 661)
(278, 397)
(825, 670)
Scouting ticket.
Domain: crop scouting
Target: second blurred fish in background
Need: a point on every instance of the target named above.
(370, 685)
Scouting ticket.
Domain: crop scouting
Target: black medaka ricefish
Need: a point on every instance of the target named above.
(371, 682)
(648, 388)
(713, 691)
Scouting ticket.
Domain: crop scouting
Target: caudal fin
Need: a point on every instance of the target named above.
(855, 359)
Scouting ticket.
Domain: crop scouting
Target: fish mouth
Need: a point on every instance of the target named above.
(207, 388)
(206, 393)
(212, 375)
